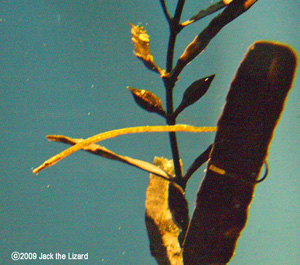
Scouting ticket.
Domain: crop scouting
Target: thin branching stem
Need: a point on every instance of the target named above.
(172, 135)
(178, 11)
(175, 28)
(170, 52)
(165, 10)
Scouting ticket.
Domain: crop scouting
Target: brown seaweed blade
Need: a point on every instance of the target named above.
(166, 216)
(245, 129)
(114, 133)
(104, 152)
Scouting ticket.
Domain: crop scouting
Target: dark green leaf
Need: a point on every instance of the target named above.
(194, 92)
(199, 161)
(147, 100)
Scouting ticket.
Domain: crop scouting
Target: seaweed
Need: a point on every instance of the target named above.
(253, 107)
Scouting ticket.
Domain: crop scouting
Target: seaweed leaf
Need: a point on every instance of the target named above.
(234, 9)
(199, 161)
(194, 92)
(147, 100)
(140, 39)
(205, 12)
(104, 152)
(114, 133)
(246, 126)
(167, 216)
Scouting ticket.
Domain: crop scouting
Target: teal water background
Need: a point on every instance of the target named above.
(64, 70)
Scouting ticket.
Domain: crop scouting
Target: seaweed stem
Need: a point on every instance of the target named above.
(178, 11)
(175, 28)
(165, 10)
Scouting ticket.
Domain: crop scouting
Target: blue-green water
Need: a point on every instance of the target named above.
(64, 70)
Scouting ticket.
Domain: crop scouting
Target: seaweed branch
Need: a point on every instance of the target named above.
(231, 12)
(165, 10)
(171, 120)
